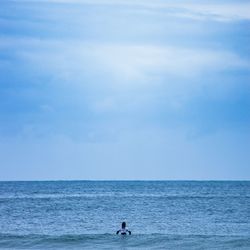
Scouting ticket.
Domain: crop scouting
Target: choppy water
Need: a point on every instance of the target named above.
(161, 215)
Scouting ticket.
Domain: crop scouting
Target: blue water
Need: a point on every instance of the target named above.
(160, 214)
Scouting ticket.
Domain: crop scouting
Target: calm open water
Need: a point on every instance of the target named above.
(160, 214)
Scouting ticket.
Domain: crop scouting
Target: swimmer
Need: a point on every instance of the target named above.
(123, 230)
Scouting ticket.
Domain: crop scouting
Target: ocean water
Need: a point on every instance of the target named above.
(160, 214)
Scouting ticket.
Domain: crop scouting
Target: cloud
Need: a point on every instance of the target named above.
(139, 60)
(213, 10)
(120, 76)
(125, 62)
(121, 70)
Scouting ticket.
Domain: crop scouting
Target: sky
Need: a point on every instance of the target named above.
(124, 90)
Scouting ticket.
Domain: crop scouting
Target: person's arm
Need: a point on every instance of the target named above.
(118, 232)
(129, 232)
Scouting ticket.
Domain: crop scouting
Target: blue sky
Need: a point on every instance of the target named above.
(108, 89)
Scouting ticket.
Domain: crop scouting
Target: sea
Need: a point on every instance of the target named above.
(160, 214)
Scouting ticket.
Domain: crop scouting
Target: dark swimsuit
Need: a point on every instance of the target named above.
(123, 231)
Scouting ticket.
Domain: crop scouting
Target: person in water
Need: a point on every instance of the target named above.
(123, 230)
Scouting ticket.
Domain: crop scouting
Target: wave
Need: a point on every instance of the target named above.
(110, 241)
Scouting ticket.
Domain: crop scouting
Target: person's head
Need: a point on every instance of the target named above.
(123, 224)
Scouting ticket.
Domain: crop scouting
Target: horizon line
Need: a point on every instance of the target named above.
(125, 180)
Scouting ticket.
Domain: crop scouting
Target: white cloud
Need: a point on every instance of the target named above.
(219, 11)
(122, 70)
(142, 60)
(123, 63)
